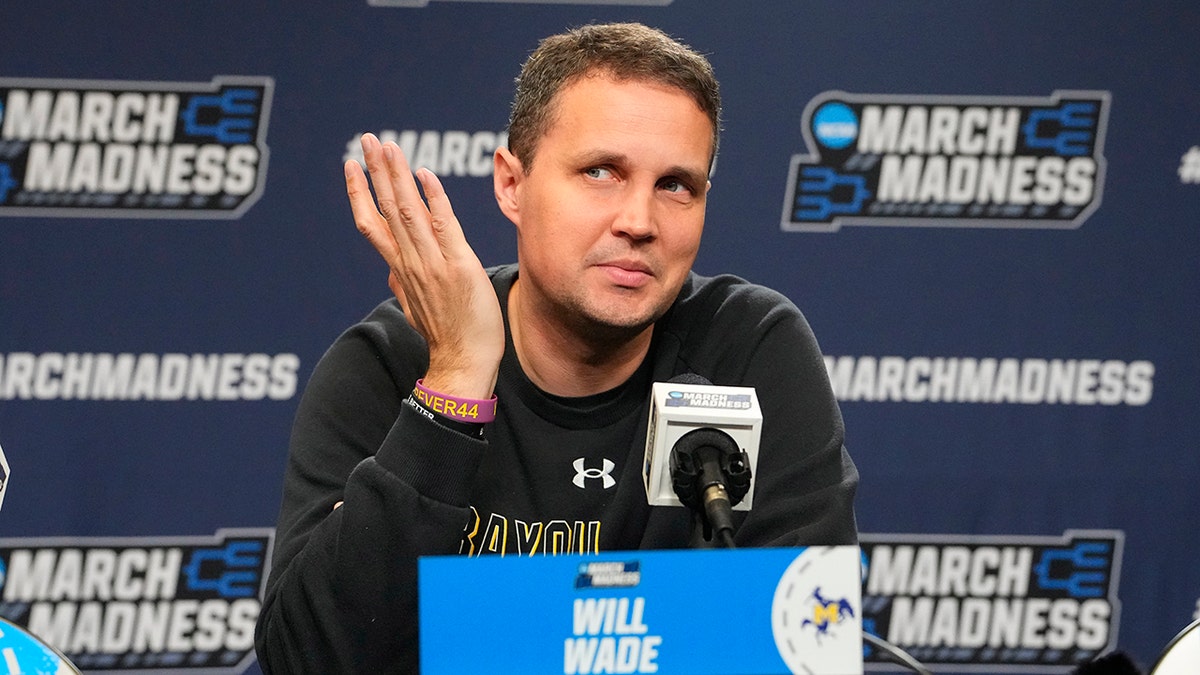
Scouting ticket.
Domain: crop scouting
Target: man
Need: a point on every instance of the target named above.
(613, 132)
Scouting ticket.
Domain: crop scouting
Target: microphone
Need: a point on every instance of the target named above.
(701, 448)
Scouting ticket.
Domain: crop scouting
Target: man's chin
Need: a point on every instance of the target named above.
(614, 325)
(608, 315)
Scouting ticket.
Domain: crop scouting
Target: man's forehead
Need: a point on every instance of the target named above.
(596, 115)
(603, 77)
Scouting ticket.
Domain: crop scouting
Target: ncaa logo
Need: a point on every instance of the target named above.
(583, 474)
(958, 161)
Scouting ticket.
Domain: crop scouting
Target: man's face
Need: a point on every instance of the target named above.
(610, 214)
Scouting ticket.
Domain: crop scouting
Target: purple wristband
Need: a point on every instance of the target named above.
(452, 407)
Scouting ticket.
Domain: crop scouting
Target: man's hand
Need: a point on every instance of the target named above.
(438, 279)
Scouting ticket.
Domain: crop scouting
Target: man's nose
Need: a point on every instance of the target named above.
(636, 218)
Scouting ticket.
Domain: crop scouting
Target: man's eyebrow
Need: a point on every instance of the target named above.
(696, 177)
(598, 157)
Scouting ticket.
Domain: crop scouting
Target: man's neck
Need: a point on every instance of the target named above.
(567, 362)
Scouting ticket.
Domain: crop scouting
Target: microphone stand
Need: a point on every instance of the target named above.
(710, 474)
(895, 654)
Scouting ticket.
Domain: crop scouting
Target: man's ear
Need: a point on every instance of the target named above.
(507, 173)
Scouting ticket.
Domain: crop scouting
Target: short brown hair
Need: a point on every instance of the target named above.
(624, 51)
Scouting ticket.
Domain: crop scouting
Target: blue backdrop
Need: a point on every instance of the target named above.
(987, 210)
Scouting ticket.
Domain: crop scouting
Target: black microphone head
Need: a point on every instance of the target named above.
(730, 468)
(690, 378)
(1114, 663)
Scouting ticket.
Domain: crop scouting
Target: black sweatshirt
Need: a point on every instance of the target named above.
(549, 475)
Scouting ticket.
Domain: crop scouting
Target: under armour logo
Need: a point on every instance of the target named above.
(582, 474)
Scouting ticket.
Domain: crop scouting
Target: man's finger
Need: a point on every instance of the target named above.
(376, 166)
(446, 227)
(366, 216)
(410, 222)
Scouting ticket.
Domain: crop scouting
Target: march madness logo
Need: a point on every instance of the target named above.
(84, 148)
(696, 399)
(140, 603)
(1033, 604)
(1017, 162)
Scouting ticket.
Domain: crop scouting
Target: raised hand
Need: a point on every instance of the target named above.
(434, 273)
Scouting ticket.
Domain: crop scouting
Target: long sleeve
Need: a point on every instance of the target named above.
(341, 596)
(805, 474)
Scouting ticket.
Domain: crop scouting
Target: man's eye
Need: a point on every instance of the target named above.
(673, 185)
(598, 172)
